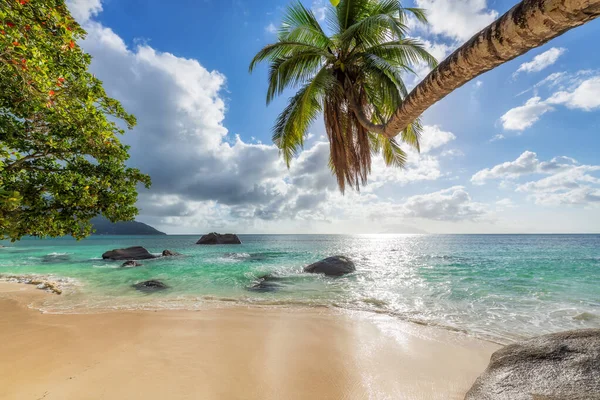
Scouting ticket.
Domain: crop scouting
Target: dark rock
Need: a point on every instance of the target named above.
(150, 286)
(561, 366)
(131, 253)
(332, 266)
(216, 238)
(265, 284)
(169, 253)
(130, 264)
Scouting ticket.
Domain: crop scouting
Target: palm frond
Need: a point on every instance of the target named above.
(300, 113)
(412, 134)
(392, 153)
(301, 25)
(289, 72)
(419, 13)
(403, 52)
(285, 49)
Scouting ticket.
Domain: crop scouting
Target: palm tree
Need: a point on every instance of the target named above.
(354, 77)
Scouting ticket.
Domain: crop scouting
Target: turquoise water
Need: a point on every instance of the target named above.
(502, 287)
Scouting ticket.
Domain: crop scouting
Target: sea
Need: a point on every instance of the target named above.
(498, 287)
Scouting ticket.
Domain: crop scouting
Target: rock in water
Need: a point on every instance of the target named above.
(130, 264)
(332, 266)
(131, 253)
(265, 284)
(150, 286)
(216, 238)
(561, 366)
(169, 253)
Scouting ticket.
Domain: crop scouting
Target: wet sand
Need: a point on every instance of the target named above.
(230, 353)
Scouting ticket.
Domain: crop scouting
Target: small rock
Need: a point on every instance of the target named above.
(216, 238)
(150, 286)
(131, 264)
(332, 266)
(169, 253)
(265, 284)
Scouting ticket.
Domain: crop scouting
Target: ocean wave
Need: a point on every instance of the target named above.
(56, 257)
(48, 283)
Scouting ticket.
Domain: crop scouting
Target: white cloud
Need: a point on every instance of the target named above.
(541, 61)
(585, 96)
(505, 203)
(567, 182)
(452, 204)
(83, 10)
(526, 163)
(457, 19)
(580, 94)
(319, 8)
(522, 117)
(497, 137)
(271, 29)
(562, 180)
(433, 137)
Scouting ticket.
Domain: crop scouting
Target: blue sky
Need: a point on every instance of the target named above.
(513, 151)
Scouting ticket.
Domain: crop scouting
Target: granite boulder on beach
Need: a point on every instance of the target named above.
(560, 366)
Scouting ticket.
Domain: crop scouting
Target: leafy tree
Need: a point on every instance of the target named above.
(353, 76)
(61, 161)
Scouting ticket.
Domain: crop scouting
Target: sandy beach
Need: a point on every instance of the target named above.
(231, 353)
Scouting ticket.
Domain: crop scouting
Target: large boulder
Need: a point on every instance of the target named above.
(561, 366)
(150, 286)
(332, 266)
(216, 238)
(131, 253)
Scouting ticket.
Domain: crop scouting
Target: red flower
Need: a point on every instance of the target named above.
(4, 33)
(16, 43)
(71, 44)
(61, 79)
(68, 28)
(51, 93)
(27, 27)
(23, 60)
(10, 24)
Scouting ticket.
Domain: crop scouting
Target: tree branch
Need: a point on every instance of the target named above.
(528, 25)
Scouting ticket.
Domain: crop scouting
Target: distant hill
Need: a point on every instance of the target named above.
(105, 227)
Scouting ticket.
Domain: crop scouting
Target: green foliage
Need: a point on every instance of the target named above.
(354, 74)
(61, 161)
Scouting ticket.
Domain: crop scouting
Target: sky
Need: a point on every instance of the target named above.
(513, 151)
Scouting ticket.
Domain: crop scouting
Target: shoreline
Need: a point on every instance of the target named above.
(235, 352)
(56, 285)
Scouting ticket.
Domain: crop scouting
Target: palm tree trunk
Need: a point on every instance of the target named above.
(529, 24)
